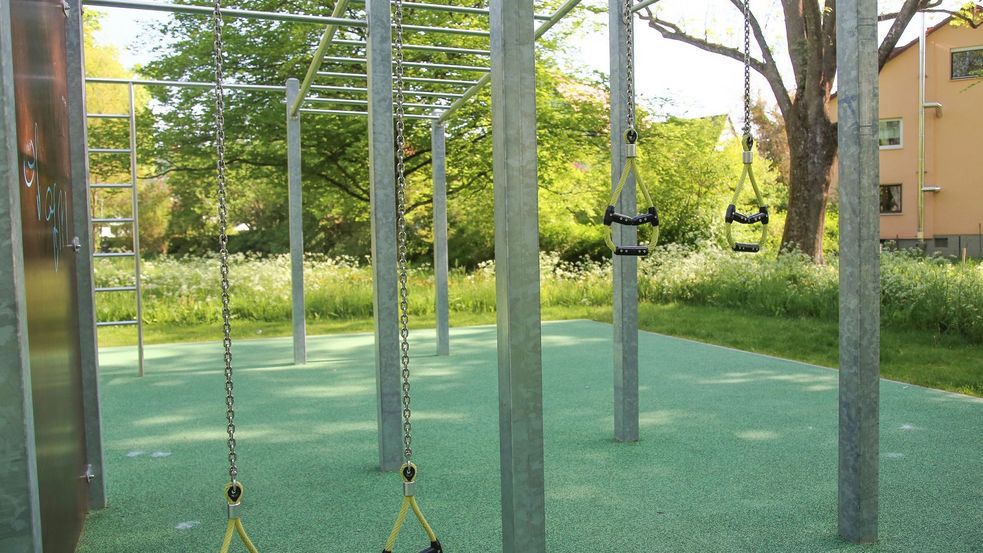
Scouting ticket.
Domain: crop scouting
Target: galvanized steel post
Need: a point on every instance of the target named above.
(520, 356)
(625, 267)
(19, 502)
(857, 99)
(84, 279)
(296, 224)
(440, 263)
(382, 190)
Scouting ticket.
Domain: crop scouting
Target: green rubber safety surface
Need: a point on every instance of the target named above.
(738, 451)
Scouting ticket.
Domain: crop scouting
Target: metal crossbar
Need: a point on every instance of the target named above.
(362, 113)
(426, 65)
(452, 9)
(361, 76)
(363, 90)
(423, 48)
(354, 102)
(468, 94)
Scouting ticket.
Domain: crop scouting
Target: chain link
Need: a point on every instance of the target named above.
(223, 239)
(401, 247)
(628, 18)
(747, 68)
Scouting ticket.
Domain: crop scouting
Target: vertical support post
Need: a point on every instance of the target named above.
(382, 189)
(20, 514)
(135, 198)
(625, 267)
(520, 354)
(856, 31)
(84, 280)
(440, 264)
(296, 200)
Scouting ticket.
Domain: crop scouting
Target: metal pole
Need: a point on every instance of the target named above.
(207, 11)
(520, 350)
(135, 198)
(486, 78)
(440, 265)
(84, 280)
(322, 47)
(296, 206)
(20, 509)
(625, 268)
(856, 31)
(382, 190)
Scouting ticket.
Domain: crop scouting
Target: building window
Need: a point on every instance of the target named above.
(967, 63)
(890, 198)
(890, 134)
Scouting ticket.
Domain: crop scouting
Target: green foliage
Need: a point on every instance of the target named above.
(933, 295)
(687, 166)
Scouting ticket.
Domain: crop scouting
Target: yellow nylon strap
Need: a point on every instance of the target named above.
(235, 524)
(630, 167)
(747, 176)
(409, 502)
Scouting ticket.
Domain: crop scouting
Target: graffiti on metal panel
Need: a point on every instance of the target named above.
(51, 202)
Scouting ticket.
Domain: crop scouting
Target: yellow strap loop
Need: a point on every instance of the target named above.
(235, 523)
(747, 176)
(409, 502)
(631, 166)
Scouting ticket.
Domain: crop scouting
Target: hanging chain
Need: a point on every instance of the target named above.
(628, 18)
(223, 239)
(404, 305)
(747, 68)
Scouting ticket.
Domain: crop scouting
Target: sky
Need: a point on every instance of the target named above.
(680, 79)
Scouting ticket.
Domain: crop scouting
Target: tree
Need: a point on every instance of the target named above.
(810, 28)
(104, 61)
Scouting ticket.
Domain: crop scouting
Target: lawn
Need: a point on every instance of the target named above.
(907, 355)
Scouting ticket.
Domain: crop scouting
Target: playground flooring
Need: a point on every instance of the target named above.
(738, 451)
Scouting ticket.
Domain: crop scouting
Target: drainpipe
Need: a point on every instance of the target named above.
(920, 232)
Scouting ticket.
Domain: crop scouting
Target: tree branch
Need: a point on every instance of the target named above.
(767, 69)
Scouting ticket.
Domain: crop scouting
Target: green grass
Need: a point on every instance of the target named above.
(907, 355)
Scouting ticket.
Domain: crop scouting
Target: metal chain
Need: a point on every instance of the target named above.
(404, 305)
(628, 18)
(747, 67)
(223, 239)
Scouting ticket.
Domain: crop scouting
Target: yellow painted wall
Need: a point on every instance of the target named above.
(954, 142)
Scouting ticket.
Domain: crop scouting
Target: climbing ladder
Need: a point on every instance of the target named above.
(99, 223)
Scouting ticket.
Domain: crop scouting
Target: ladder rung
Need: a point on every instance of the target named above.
(117, 323)
(113, 254)
(112, 220)
(111, 185)
(108, 115)
(109, 150)
(117, 289)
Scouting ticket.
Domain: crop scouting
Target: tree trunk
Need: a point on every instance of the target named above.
(812, 149)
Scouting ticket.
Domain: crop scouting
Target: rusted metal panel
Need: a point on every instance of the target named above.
(41, 93)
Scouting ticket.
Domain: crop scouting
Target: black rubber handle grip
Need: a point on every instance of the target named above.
(744, 247)
(650, 217)
(631, 251)
(732, 216)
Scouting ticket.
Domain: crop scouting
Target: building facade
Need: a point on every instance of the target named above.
(949, 215)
